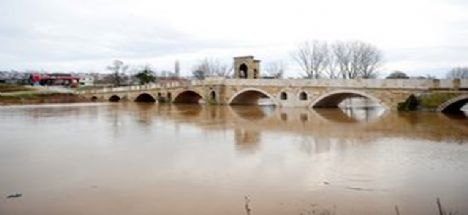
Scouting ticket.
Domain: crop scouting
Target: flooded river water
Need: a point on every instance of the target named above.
(187, 159)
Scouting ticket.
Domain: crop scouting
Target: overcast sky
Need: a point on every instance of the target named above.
(416, 36)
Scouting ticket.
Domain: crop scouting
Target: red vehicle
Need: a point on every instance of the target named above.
(60, 80)
(35, 78)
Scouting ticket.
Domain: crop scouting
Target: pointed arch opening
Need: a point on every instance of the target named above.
(169, 97)
(188, 97)
(145, 97)
(252, 96)
(283, 96)
(114, 98)
(303, 96)
(213, 96)
(455, 105)
(243, 69)
(347, 99)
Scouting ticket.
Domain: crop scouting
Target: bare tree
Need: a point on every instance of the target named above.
(458, 73)
(276, 69)
(198, 74)
(210, 68)
(332, 65)
(118, 69)
(343, 58)
(357, 59)
(368, 59)
(312, 58)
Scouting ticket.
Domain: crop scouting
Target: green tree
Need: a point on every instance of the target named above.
(146, 75)
(397, 75)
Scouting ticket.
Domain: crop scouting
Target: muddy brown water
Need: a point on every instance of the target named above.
(187, 159)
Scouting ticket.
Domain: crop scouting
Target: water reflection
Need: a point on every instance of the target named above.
(365, 114)
(246, 140)
(252, 113)
(460, 116)
(351, 115)
(324, 123)
(145, 113)
(187, 110)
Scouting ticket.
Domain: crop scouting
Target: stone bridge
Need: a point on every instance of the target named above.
(442, 95)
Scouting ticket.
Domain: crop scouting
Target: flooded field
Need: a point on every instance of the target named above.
(189, 159)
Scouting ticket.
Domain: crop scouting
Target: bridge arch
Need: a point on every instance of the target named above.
(94, 98)
(243, 69)
(188, 97)
(453, 105)
(250, 96)
(283, 95)
(303, 96)
(334, 98)
(114, 98)
(213, 95)
(145, 97)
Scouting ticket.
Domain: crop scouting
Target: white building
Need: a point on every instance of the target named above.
(87, 80)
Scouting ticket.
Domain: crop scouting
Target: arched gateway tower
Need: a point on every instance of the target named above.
(246, 67)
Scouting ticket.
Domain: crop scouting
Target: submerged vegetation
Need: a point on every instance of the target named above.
(425, 102)
(410, 104)
(314, 210)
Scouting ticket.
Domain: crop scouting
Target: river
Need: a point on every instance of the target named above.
(127, 158)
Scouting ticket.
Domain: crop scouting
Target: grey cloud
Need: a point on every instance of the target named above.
(40, 32)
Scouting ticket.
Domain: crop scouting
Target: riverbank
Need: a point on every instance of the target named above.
(17, 94)
(9, 88)
(39, 98)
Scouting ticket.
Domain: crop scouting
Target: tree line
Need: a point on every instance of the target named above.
(121, 74)
(346, 60)
(316, 59)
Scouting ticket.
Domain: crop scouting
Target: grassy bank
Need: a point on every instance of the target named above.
(17, 94)
(8, 88)
(39, 98)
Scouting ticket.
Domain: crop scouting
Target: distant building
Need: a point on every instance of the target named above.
(3, 76)
(86, 80)
(14, 77)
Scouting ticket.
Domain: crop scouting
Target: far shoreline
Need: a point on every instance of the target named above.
(40, 98)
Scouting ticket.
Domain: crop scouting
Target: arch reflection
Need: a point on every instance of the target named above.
(351, 115)
(253, 113)
(188, 110)
(247, 140)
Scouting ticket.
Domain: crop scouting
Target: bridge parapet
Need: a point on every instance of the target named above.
(407, 84)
